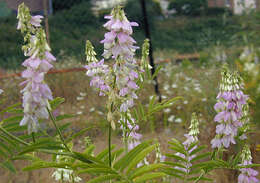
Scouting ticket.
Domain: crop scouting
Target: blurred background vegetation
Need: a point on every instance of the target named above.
(186, 30)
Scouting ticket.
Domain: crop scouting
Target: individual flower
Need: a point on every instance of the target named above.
(231, 100)
(171, 118)
(36, 93)
(36, 20)
(1, 91)
(178, 120)
(247, 175)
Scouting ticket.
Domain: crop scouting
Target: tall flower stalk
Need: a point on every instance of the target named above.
(229, 107)
(191, 138)
(36, 92)
(119, 81)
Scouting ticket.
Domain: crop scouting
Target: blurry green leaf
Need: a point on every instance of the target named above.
(56, 102)
(198, 149)
(149, 176)
(8, 165)
(201, 156)
(77, 134)
(103, 178)
(64, 116)
(144, 169)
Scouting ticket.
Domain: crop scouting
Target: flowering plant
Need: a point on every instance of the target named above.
(119, 81)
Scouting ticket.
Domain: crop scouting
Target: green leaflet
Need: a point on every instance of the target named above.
(149, 176)
(139, 157)
(122, 163)
(9, 166)
(103, 178)
(144, 169)
(56, 102)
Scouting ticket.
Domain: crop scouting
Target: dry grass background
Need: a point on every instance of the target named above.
(197, 85)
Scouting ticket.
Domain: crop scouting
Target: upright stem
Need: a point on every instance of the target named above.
(125, 134)
(58, 130)
(109, 145)
(126, 144)
(109, 127)
(33, 137)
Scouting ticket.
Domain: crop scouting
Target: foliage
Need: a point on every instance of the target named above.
(69, 28)
(4, 10)
(59, 5)
(188, 7)
(133, 10)
(213, 11)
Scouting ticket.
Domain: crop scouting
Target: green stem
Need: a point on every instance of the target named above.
(109, 145)
(109, 128)
(58, 130)
(125, 134)
(33, 137)
(13, 137)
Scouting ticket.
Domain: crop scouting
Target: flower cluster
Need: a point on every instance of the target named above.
(131, 137)
(158, 155)
(245, 119)
(62, 174)
(145, 53)
(191, 137)
(119, 45)
(65, 174)
(97, 70)
(118, 82)
(36, 92)
(129, 128)
(247, 175)
(231, 100)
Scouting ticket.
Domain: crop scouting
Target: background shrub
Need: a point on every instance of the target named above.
(188, 7)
